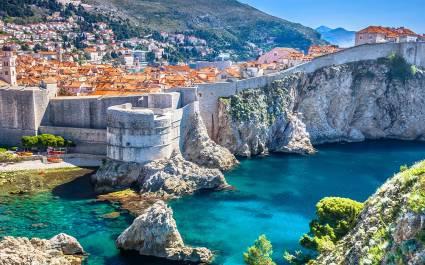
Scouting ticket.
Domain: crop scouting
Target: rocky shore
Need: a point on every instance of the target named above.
(62, 249)
(155, 233)
(32, 181)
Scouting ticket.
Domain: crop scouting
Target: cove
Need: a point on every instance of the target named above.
(276, 195)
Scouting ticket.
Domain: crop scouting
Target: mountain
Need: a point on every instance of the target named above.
(339, 36)
(228, 24)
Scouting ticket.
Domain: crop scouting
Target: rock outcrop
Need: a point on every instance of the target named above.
(155, 233)
(163, 178)
(350, 102)
(200, 149)
(391, 227)
(62, 249)
(177, 177)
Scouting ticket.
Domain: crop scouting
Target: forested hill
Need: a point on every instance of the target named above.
(228, 23)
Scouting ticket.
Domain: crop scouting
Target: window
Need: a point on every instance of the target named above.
(6, 73)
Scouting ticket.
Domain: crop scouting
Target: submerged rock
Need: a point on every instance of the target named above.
(155, 233)
(62, 249)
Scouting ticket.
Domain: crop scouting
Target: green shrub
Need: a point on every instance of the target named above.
(3, 150)
(416, 200)
(399, 68)
(14, 148)
(260, 253)
(298, 258)
(335, 217)
(403, 168)
(44, 141)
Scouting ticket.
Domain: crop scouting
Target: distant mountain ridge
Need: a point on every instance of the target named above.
(229, 24)
(338, 36)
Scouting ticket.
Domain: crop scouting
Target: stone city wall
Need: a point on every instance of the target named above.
(21, 112)
(141, 135)
(209, 94)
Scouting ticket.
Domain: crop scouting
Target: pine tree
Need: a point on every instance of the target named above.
(260, 253)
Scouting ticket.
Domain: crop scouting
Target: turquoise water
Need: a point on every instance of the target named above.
(275, 195)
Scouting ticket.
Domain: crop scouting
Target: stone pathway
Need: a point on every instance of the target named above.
(73, 161)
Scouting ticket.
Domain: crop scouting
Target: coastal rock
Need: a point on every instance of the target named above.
(349, 102)
(155, 233)
(115, 175)
(60, 250)
(259, 121)
(163, 178)
(390, 229)
(177, 177)
(200, 149)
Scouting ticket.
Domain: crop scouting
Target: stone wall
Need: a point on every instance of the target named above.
(413, 52)
(83, 112)
(21, 112)
(141, 135)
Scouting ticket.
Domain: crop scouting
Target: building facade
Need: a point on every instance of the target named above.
(379, 34)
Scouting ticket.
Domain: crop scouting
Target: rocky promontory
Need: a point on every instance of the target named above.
(155, 233)
(62, 249)
(351, 102)
(391, 227)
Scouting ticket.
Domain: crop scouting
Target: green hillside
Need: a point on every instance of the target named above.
(229, 24)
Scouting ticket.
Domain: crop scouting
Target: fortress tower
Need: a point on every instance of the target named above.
(8, 66)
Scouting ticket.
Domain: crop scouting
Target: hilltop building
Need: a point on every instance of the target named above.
(379, 34)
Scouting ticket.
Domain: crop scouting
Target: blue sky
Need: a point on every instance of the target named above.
(350, 14)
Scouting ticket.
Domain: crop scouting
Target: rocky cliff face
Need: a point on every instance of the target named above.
(155, 233)
(350, 102)
(59, 250)
(200, 149)
(390, 229)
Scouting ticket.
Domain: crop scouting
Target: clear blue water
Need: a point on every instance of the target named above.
(275, 195)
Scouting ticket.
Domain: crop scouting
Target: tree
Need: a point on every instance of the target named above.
(335, 218)
(260, 253)
(29, 141)
(150, 57)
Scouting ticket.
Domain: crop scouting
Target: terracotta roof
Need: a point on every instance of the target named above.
(389, 32)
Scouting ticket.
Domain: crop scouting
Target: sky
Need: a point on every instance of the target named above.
(349, 14)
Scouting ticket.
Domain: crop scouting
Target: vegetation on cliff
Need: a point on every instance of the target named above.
(388, 228)
(260, 253)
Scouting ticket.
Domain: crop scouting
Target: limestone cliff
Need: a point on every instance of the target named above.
(351, 102)
(155, 233)
(200, 149)
(391, 227)
(59, 250)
